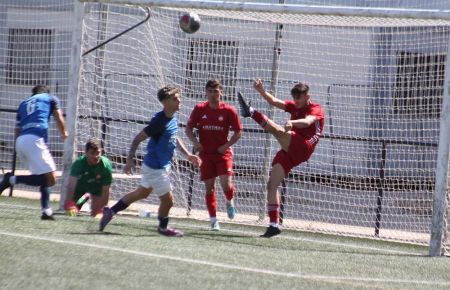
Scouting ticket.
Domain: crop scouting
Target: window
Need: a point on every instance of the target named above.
(419, 84)
(211, 59)
(29, 56)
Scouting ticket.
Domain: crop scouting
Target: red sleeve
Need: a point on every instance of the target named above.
(317, 111)
(235, 122)
(192, 122)
(289, 106)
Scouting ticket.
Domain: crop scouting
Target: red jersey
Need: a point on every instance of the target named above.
(213, 125)
(313, 132)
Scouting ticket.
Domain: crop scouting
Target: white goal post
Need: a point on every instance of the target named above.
(382, 75)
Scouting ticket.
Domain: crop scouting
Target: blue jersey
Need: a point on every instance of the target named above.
(34, 114)
(163, 141)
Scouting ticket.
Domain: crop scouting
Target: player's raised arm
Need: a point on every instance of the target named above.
(134, 145)
(259, 87)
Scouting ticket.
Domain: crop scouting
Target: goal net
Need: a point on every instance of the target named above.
(380, 81)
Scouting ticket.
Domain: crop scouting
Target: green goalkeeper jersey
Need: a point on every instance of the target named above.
(91, 178)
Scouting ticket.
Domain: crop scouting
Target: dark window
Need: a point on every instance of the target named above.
(419, 84)
(211, 59)
(29, 56)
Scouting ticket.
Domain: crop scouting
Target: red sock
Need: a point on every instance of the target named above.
(274, 212)
(211, 204)
(230, 194)
(260, 118)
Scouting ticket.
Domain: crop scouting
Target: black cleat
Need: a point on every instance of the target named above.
(5, 182)
(271, 231)
(245, 108)
(46, 217)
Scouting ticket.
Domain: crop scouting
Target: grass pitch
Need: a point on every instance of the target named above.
(70, 253)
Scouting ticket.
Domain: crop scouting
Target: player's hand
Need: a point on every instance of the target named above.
(194, 159)
(288, 126)
(70, 208)
(258, 85)
(222, 149)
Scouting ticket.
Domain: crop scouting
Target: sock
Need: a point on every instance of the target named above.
(45, 197)
(163, 222)
(260, 118)
(211, 204)
(33, 180)
(230, 194)
(120, 205)
(213, 219)
(274, 211)
(47, 211)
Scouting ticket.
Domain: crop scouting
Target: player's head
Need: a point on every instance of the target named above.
(300, 94)
(214, 90)
(170, 96)
(93, 150)
(40, 89)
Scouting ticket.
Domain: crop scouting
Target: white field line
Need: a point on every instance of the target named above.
(230, 266)
(253, 234)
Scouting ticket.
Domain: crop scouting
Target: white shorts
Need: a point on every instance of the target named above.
(157, 179)
(33, 151)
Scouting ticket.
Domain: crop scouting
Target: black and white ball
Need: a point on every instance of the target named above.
(190, 22)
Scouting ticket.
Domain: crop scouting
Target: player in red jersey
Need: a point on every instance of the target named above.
(214, 119)
(297, 138)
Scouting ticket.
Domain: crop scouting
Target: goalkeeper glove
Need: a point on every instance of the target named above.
(71, 208)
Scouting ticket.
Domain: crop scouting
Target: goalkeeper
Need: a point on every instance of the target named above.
(90, 178)
(298, 139)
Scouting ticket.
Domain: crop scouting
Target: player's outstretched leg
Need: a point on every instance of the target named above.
(106, 218)
(5, 182)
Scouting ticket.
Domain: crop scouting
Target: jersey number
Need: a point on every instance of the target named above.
(31, 106)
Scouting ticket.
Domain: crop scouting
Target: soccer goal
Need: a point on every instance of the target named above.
(381, 74)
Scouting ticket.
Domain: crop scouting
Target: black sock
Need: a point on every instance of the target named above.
(45, 196)
(33, 180)
(120, 205)
(163, 222)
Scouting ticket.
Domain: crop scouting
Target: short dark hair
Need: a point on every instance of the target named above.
(92, 144)
(40, 89)
(167, 91)
(300, 89)
(213, 84)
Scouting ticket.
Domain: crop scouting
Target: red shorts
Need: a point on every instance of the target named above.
(299, 151)
(214, 165)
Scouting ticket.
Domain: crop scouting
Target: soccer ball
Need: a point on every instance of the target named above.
(190, 22)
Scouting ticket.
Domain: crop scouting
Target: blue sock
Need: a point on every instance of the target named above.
(45, 196)
(120, 205)
(33, 180)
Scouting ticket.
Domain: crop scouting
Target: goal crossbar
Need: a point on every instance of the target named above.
(436, 14)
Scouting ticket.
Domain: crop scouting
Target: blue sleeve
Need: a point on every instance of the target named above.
(156, 126)
(54, 103)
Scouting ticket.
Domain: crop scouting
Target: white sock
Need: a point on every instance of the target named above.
(213, 220)
(274, 225)
(251, 110)
(47, 211)
(12, 180)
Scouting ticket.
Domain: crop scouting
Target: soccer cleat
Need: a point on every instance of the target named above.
(271, 231)
(46, 217)
(245, 108)
(170, 232)
(5, 182)
(215, 226)
(231, 211)
(106, 218)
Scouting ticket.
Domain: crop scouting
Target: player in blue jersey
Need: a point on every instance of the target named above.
(33, 117)
(155, 171)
